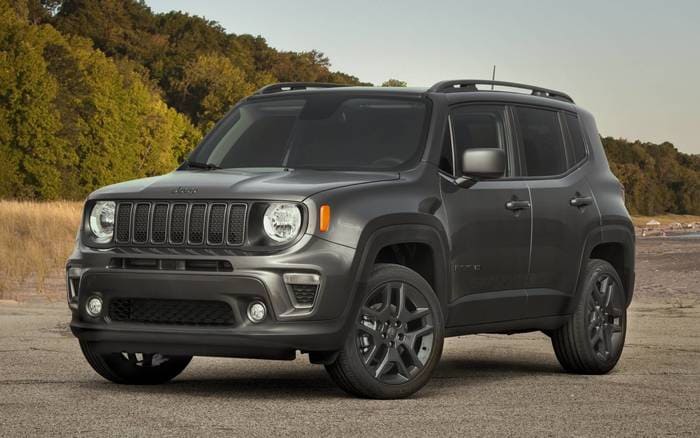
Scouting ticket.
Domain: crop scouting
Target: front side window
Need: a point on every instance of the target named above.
(319, 131)
(542, 142)
(478, 127)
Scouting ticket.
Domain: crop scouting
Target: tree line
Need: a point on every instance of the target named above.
(95, 92)
(657, 177)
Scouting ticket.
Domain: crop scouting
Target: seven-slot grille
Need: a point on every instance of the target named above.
(210, 223)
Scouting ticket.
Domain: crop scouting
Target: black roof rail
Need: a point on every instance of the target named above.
(289, 86)
(470, 85)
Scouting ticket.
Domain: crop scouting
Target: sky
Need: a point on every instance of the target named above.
(632, 63)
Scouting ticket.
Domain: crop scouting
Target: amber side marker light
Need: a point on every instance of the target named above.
(324, 221)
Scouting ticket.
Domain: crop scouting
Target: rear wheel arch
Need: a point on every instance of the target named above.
(616, 247)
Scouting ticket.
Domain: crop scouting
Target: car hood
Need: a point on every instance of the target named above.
(263, 184)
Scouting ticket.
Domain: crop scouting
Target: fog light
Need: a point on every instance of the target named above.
(94, 306)
(256, 311)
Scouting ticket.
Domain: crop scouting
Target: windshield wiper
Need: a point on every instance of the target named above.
(198, 165)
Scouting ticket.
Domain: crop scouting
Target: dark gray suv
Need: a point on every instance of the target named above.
(361, 226)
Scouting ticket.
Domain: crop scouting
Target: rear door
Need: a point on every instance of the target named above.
(489, 223)
(553, 159)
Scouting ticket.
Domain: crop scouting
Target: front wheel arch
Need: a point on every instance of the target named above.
(375, 240)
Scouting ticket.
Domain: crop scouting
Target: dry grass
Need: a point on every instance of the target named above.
(36, 238)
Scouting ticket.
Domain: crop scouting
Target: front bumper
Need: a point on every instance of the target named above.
(254, 278)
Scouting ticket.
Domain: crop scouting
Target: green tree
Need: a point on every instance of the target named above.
(168, 44)
(657, 178)
(73, 119)
(394, 83)
(32, 151)
(211, 84)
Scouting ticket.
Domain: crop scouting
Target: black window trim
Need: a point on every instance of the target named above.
(448, 129)
(509, 139)
(519, 144)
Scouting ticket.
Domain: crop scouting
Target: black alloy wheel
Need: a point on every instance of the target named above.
(395, 332)
(592, 340)
(395, 338)
(606, 317)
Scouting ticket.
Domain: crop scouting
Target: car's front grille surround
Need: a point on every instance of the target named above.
(180, 223)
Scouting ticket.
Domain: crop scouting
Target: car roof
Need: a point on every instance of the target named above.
(452, 96)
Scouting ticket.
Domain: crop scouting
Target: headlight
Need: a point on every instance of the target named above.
(282, 221)
(102, 221)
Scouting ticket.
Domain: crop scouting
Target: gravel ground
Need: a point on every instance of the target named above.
(485, 385)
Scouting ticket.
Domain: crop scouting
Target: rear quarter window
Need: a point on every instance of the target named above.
(578, 145)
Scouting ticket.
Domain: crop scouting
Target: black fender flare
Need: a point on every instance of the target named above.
(623, 235)
(392, 229)
(608, 234)
(415, 228)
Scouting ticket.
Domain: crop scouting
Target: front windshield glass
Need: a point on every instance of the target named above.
(321, 131)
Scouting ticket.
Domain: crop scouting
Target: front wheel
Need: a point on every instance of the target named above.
(591, 341)
(134, 368)
(396, 338)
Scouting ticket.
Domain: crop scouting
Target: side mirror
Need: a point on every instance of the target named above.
(481, 163)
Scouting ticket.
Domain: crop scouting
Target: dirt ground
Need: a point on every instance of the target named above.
(486, 385)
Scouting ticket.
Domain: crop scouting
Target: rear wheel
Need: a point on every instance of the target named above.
(591, 342)
(134, 368)
(396, 339)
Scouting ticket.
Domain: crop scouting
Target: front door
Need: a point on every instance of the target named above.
(489, 225)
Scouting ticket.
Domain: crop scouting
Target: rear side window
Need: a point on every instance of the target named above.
(576, 134)
(543, 143)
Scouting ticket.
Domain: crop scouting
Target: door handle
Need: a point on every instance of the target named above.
(517, 205)
(580, 201)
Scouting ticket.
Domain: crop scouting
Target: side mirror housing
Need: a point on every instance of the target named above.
(481, 163)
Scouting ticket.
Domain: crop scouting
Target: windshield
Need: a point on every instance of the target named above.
(321, 131)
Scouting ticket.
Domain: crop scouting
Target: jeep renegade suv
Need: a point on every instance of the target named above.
(361, 226)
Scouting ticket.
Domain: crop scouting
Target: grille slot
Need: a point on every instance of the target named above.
(159, 223)
(236, 224)
(162, 223)
(177, 223)
(196, 228)
(141, 222)
(177, 312)
(123, 222)
(304, 294)
(215, 233)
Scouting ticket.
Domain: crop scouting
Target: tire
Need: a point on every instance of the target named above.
(396, 339)
(134, 368)
(591, 342)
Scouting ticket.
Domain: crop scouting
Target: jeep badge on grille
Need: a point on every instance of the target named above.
(185, 191)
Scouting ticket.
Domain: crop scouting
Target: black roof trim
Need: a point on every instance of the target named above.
(290, 86)
(461, 85)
